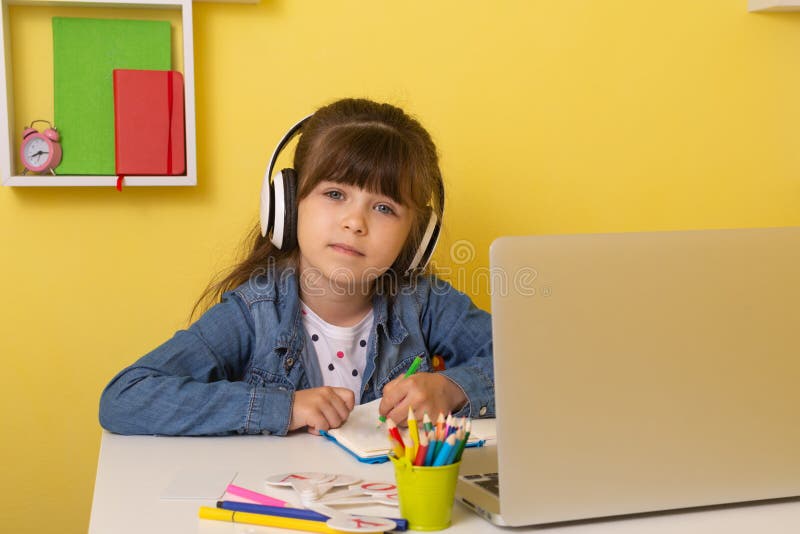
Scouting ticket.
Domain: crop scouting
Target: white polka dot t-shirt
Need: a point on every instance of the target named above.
(340, 351)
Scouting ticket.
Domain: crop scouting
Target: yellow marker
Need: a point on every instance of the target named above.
(219, 514)
(413, 431)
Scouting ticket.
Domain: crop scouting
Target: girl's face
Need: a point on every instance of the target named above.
(349, 236)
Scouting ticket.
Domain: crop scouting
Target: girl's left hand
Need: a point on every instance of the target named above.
(433, 393)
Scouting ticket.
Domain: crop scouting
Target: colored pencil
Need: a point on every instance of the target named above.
(422, 450)
(440, 427)
(467, 429)
(444, 452)
(426, 422)
(459, 434)
(408, 447)
(398, 449)
(392, 427)
(431, 448)
(413, 432)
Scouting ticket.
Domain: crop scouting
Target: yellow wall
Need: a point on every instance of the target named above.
(551, 117)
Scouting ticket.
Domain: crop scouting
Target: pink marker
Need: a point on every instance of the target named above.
(254, 496)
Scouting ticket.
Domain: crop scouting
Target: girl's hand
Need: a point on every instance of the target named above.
(424, 392)
(321, 408)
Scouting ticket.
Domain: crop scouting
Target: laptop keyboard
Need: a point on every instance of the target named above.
(488, 481)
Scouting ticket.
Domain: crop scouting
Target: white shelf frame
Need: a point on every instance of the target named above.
(773, 5)
(8, 155)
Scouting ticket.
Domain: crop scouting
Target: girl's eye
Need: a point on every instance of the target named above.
(385, 209)
(335, 195)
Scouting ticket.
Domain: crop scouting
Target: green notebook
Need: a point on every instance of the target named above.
(85, 52)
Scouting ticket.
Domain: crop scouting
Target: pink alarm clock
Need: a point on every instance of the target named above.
(40, 151)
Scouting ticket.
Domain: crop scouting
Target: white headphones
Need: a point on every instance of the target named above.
(279, 207)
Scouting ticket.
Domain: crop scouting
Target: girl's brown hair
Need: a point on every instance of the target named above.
(377, 147)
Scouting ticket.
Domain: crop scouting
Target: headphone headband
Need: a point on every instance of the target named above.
(293, 132)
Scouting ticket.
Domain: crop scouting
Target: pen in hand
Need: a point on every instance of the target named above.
(411, 370)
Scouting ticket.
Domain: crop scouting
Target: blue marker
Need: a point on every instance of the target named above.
(278, 511)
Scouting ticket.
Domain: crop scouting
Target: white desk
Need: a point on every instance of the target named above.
(133, 471)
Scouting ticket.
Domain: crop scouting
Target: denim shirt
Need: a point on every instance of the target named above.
(235, 370)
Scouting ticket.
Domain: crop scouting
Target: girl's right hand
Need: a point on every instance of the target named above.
(321, 408)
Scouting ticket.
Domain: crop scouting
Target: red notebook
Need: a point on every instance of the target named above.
(148, 122)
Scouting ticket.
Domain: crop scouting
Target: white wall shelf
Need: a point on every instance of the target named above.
(773, 5)
(9, 164)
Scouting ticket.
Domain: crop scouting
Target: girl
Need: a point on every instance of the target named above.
(333, 315)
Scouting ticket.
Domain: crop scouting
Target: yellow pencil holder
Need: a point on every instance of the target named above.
(426, 494)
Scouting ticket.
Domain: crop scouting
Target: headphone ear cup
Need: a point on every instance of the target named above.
(267, 206)
(290, 209)
(278, 209)
(272, 191)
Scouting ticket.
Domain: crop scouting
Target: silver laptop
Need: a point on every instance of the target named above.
(641, 372)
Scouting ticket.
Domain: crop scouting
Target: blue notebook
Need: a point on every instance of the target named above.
(361, 438)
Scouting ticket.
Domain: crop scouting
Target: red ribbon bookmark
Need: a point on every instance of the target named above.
(120, 178)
